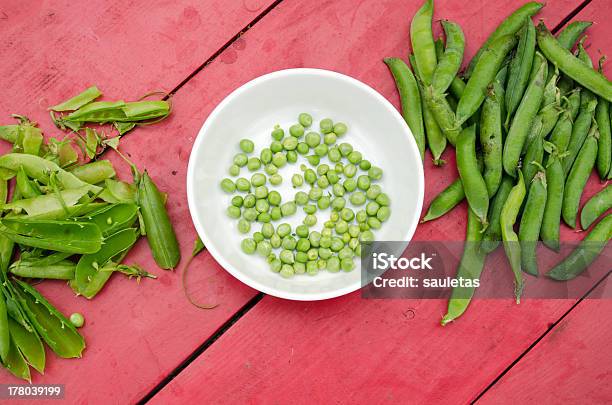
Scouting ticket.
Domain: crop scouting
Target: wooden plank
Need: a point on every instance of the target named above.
(349, 349)
(572, 364)
(136, 334)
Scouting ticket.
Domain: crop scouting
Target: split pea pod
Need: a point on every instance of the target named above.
(94, 172)
(523, 119)
(572, 66)
(549, 232)
(113, 218)
(551, 105)
(474, 184)
(448, 199)
(16, 364)
(596, 206)
(158, 228)
(569, 35)
(491, 141)
(422, 41)
(562, 132)
(43, 204)
(520, 67)
(485, 70)
(450, 62)
(9, 132)
(512, 247)
(78, 101)
(510, 26)
(604, 149)
(470, 268)
(531, 222)
(588, 250)
(410, 99)
(29, 345)
(27, 187)
(492, 235)
(578, 176)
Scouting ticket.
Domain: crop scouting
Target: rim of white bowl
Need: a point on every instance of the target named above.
(198, 143)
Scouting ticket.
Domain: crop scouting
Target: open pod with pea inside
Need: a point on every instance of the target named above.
(318, 100)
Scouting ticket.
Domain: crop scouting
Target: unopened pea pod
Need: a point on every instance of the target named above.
(85, 97)
(562, 132)
(470, 268)
(46, 203)
(448, 199)
(423, 42)
(9, 132)
(572, 66)
(510, 26)
(95, 172)
(487, 67)
(492, 235)
(523, 120)
(491, 141)
(577, 178)
(146, 110)
(474, 185)
(555, 179)
(63, 270)
(51, 325)
(604, 149)
(60, 236)
(596, 206)
(512, 247)
(457, 84)
(520, 67)
(533, 157)
(443, 113)
(569, 35)
(88, 278)
(588, 250)
(531, 222)
(29, 345)
(158, 228)
(410, 99)
(98, 111)
(113, 218)
(584, 124)
(450, 62)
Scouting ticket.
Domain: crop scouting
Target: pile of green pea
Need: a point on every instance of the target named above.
(320, 187)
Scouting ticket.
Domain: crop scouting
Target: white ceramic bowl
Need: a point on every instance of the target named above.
(375, 128)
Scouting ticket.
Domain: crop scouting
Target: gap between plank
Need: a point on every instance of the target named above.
(571, 15)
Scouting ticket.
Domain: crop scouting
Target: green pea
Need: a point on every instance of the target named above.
(321, 150)
(334, 154)
(375, 173)
(250, 214)
(346, 238)
(249, 201)
(274, 197)
(363, 182)
(338, 203)
(340, 128)
(322, 182)
(261, 192)
(292, 156)
(354, 231)
(277, 133)
(233, 212)
(315, 193)
(265, 156)
(77, 320)
(383, 199)
(333, 265)
(322, 169)
(296, 130)
(341, 227)
(311, 268)
(358, 198)
(237, 201)
(276, 146)
(324, 202)
(228, 186)
(276, 179)
(300, 265)
(354, 157)
(366, 236)
(240, 159)
(321, 264)
(286, 256)
(310, 209)
(332, 177)
(247, 146)
(267, 230)
(383, 214)
(338, 190)
(350, 170)
(347, 214)
(329, 139)
(326, 125)
(290, 143)
(275, 241)
(234, 170)
(258, 179)
(287, 271)
(336, 244)
(279, 159)
(264, 248)
(313, 253)
(276, 265)
(288, 242)
(374, 223)
(248, 246)
(325, 253)
(270, 169)
(303, 244)
(314, 238)
(372, 208)
(297, 180)
(310, 176)
(301, 231)
(347, 264)
(361, 216)
(288, 208)
(305, 119)
(334, 216)
(346, 253)
(264, 217)
(243, 184)
(313, 159)
(302, 148)
(244, 226)
(283, 230)
(365, 165)
(373, 192)
(324, 242)
(301, 198)
(275, 214)
(253, 164)
(310, 220)
(312, 139)
(345, 148)
(326, 233)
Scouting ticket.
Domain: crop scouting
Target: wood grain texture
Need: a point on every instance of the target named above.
(349, 349)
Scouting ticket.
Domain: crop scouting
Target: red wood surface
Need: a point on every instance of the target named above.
(136, 334)
(348, 348)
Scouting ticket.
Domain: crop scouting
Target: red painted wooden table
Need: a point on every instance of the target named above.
(148, 343)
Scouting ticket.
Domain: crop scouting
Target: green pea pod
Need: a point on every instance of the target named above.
(78, 101)
(588, 250)
(492, 235)
(555, 177)
(27, 187)
(584, 124)
(159, 231)
(124, 127)
(534, 154)
(43, 204)
(63, 270)
(523, 120)
(448, 199)
(120, 190)
(60, 236)
(95, 172)
(40, 169)
(98, 111)
(29, 140)
(113, 218)
(51, 325)
(63, 213)
(4, 330)
(422, 41)
(470, 268)
(586, 96)
(457, 84)
(9, 132)
(16, 364)
(604, 149)
(531, 222)
(510, 26)
(145, 110)
(491, 141)
(88, 278)
(596, 206)
(569, 35)
(562, 132)
(443, 113)
(489, 63)
(573, 102)
(520, 67)
(551, 105)
(578, 176)
(474, 184)
(3, 191)
(572, 66)
(512, 247)
(29, 345)
(410, 99)
(450, 62)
